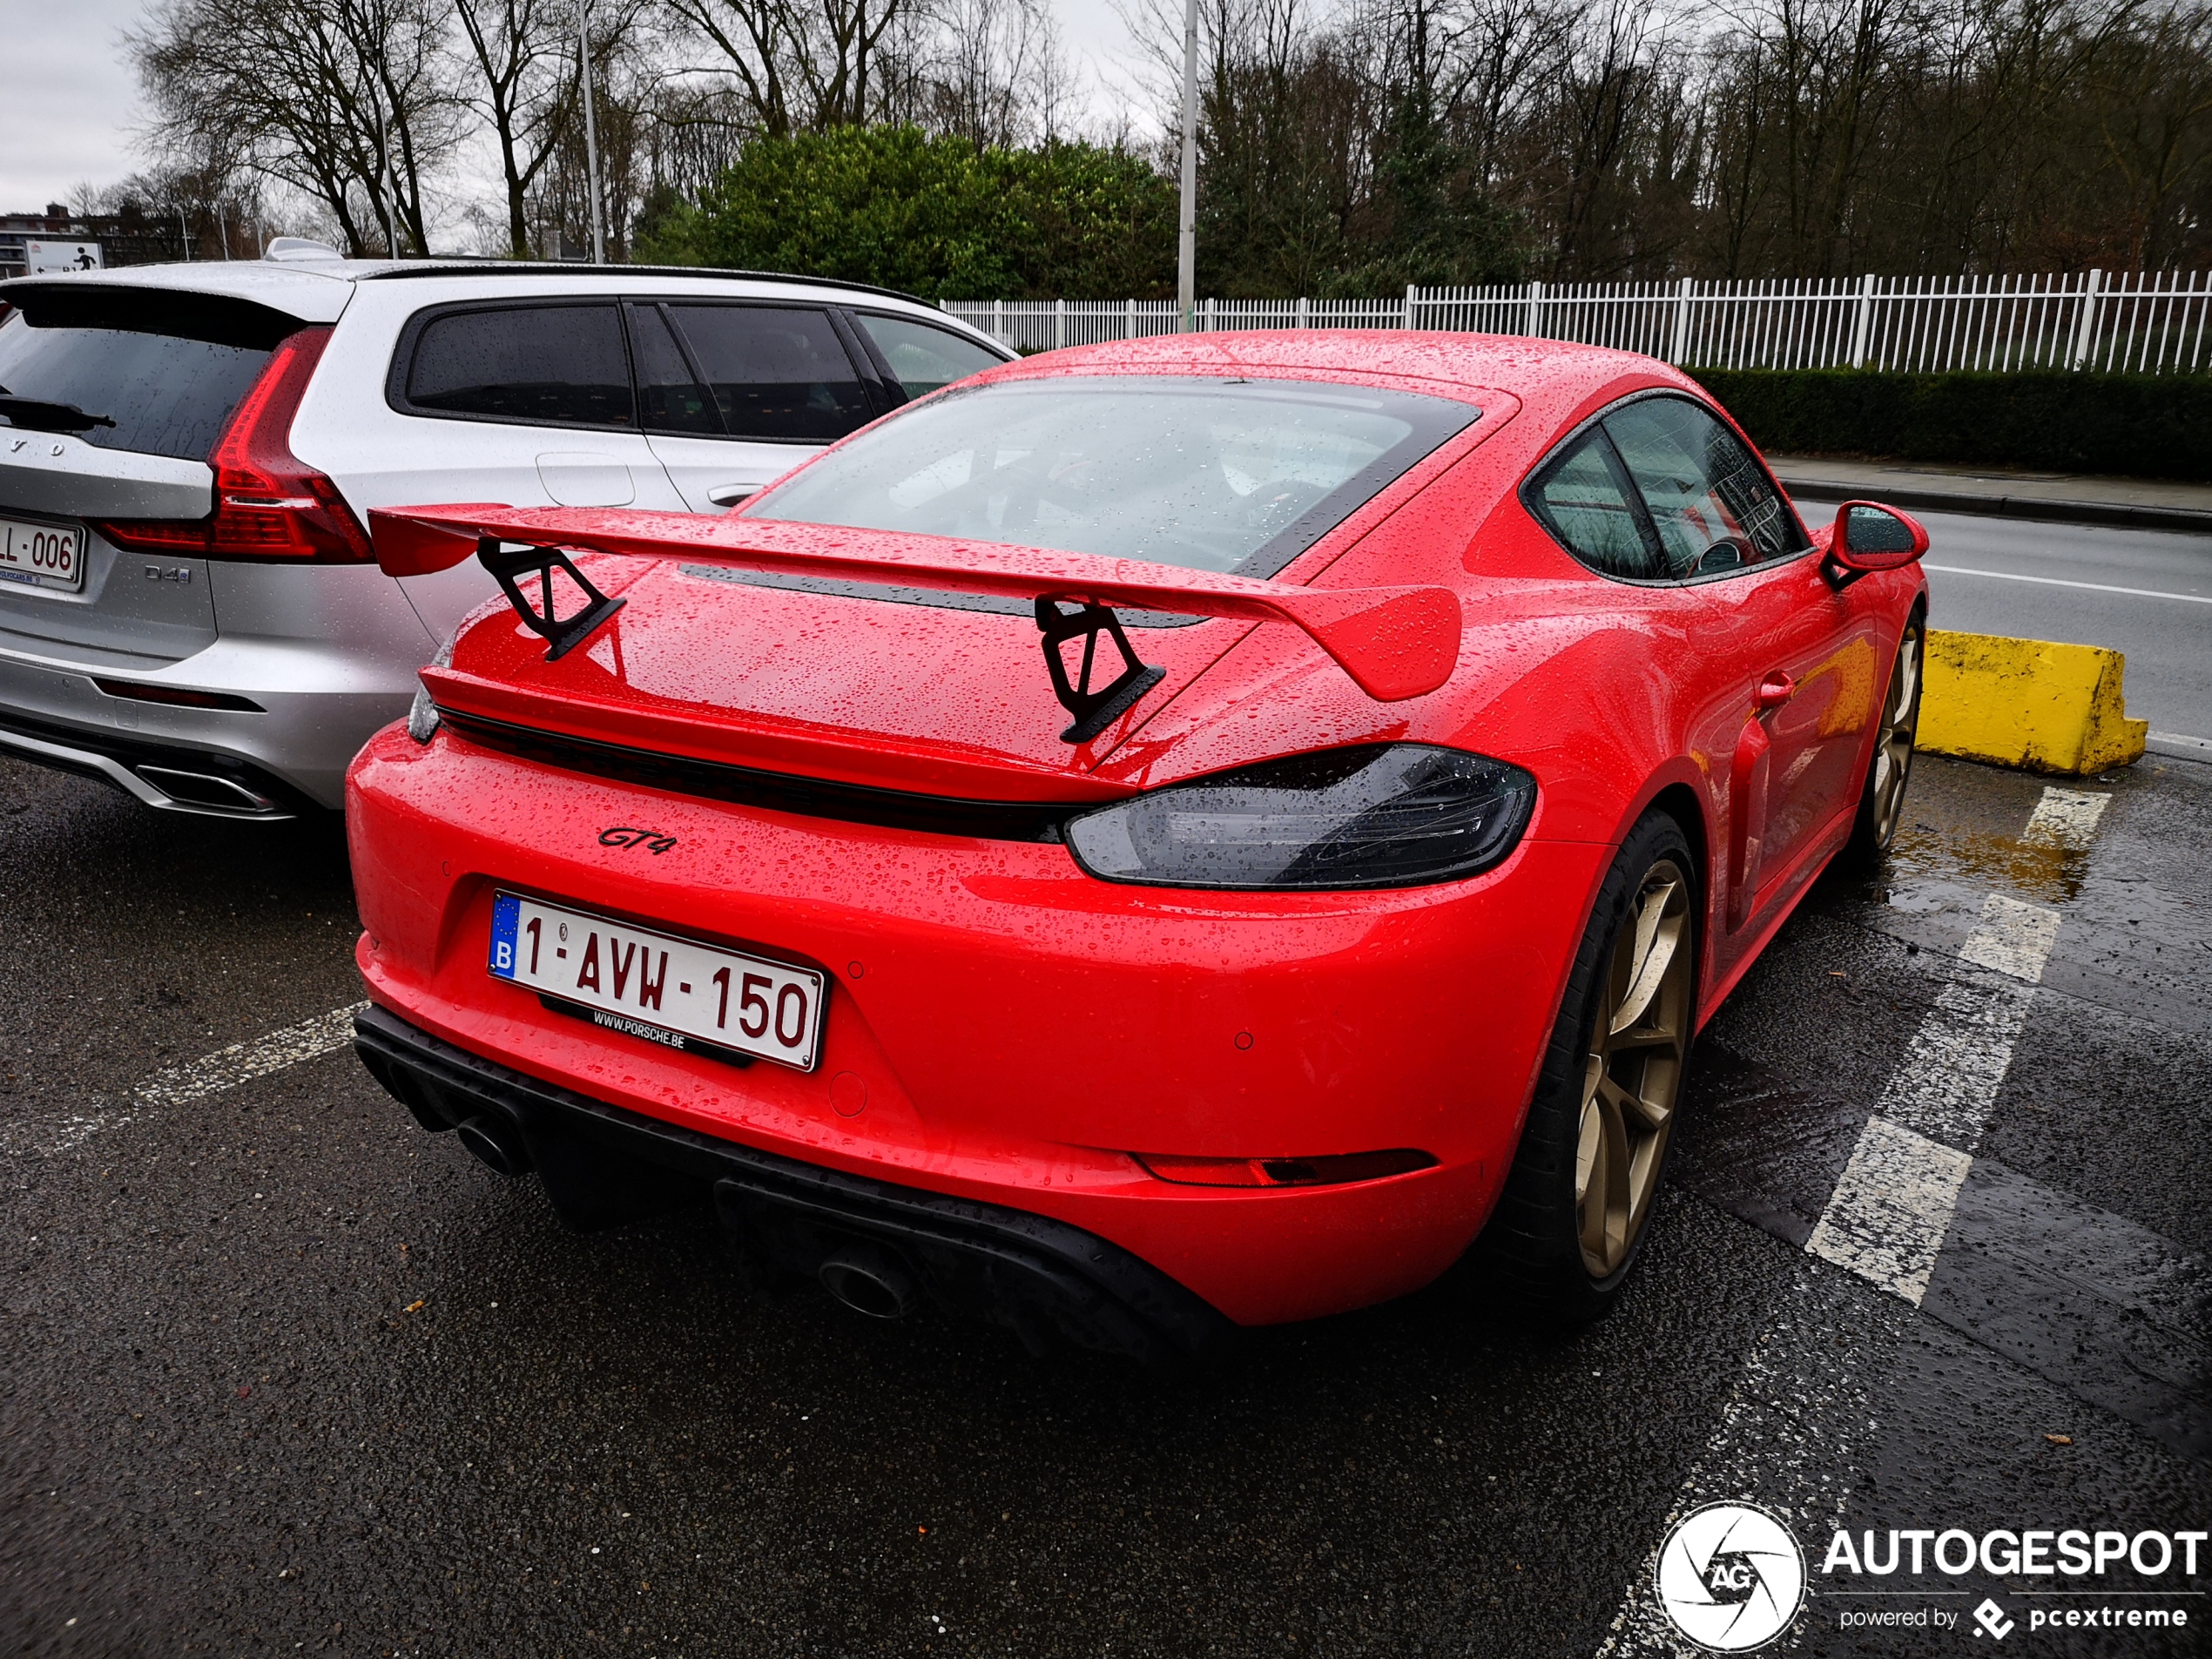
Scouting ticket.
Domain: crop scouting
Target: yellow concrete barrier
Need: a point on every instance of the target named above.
(2028, 702)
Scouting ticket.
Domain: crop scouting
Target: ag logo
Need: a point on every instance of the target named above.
(1730, 1577)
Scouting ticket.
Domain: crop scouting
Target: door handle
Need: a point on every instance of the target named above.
(731, 494)
(1775, 690)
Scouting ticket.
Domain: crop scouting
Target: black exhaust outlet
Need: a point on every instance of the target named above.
(870, 1279)
(496, 1142)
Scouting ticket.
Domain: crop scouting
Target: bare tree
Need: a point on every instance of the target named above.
(348, 101)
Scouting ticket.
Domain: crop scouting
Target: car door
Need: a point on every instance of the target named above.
(526, 400)
(734, 394)
(1799, 655)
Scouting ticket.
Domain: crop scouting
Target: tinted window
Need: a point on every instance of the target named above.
(775, 372)
(1711, 503)
(1211, 475)
(922, 358)
(167, 394)
(1583, 498)
(671, 398)
(559, 364)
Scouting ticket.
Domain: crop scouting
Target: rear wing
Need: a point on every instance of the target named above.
(1395, 642)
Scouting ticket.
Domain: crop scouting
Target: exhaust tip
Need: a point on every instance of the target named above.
(871, 1280)
(496, 1142)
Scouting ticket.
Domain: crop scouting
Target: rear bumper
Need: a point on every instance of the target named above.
(602, 1165)
(1003, 1028)
(175, 778)
(325, 654)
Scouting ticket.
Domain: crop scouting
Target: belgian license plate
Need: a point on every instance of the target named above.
(33, 555)
(697, 998)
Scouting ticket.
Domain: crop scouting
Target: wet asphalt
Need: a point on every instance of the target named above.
(279, 1373)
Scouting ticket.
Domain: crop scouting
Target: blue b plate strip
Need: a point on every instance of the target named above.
(506, 911)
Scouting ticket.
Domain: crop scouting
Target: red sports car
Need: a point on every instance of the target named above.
(1169, 836)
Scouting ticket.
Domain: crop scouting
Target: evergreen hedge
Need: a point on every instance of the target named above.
(2149, 426)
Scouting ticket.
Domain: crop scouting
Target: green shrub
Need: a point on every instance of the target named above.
(935, 217)
(2151, 426)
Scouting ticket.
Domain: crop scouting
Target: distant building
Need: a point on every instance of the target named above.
(131, 237)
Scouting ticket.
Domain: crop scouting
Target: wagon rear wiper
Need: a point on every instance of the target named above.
(37, 415)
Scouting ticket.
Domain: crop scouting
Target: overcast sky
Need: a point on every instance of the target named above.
(70, 100)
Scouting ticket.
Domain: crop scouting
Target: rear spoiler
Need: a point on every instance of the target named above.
(1395, 642)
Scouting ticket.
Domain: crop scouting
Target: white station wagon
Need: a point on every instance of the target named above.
(189, 609)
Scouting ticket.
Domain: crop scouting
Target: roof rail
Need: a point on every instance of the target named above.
(569, 267)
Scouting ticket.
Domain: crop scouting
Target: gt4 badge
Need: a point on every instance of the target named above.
(653, 840)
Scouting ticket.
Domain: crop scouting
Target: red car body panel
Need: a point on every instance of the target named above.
(1006, 1029)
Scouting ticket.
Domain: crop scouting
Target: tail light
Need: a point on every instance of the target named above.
(268, 503)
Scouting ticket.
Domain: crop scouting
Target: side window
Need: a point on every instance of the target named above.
(774, 372)
(671, 398)
(924, 358)
(1583, 497)
(557, 365)
(1711, 503)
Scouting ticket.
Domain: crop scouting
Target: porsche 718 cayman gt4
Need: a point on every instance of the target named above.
(1189, 833)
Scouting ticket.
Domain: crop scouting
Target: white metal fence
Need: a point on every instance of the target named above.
(2143, 323)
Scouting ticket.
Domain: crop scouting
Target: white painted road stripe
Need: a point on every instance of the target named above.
(2013, 938)
(1887, 1217)
(210, 1075)
(2055, 582)
(2066, 818)
(1891, 1211)
(1779, 1443)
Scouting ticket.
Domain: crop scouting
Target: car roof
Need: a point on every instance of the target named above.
(1554, 375)
(317, 290)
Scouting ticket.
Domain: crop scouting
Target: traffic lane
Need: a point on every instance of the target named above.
(2168, 641)
(304, 1373)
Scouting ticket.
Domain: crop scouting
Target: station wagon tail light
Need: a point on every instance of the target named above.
(1371, 815)
(268, 503)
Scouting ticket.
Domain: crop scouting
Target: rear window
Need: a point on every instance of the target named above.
(537, 365)
(1237, 475)
(132, 373)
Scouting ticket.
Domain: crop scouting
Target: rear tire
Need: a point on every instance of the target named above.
(1881, 803)
(1577, 1207)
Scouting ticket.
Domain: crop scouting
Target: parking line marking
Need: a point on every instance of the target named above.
(210, 1075)
(1886, 1222)
(2055, 582)
(1891, 1211)
(2012, 937)
(2066, 818)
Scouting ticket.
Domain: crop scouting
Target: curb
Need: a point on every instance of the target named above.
(2029, 703)
(2173, 746)
(2120, 515)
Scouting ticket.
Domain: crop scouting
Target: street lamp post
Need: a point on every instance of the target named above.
(590, 131)
(1186, 242)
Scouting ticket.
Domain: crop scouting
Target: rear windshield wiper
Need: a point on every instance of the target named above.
(39, 415)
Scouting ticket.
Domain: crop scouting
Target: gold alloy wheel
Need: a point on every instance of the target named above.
(1634, 1070)
(1893, 745)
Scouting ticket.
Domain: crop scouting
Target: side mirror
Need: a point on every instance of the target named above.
(1867, 537)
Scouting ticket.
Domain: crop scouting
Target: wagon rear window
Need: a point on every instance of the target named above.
(1235, 475)
(124, 382)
